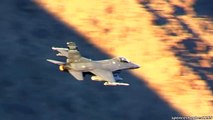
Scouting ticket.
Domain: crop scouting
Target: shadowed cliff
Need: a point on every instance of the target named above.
(204, 8)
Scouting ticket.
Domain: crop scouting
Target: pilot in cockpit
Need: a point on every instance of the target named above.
(72, 46)
(123, 59)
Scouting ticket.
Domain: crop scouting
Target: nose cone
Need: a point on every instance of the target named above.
(134, 66)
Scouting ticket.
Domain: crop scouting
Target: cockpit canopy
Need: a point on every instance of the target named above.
(72, 46)
(123, 59)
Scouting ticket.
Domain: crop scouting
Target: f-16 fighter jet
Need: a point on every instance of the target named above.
(103, 70)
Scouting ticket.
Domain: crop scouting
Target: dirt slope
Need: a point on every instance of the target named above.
(154, 34)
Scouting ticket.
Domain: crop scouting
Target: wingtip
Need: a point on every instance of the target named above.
(53, 48)
(116, 84)
(48, 60)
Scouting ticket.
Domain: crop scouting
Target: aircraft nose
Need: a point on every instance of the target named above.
(135, 66)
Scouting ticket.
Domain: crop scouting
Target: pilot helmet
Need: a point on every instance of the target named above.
(123, 59)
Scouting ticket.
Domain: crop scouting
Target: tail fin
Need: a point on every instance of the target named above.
(74, 56)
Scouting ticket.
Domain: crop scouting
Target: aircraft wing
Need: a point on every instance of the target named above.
(105, 74)
(62, 51)
(77, 75)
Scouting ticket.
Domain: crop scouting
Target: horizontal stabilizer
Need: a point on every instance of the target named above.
(77, 75)
(55, 62)
(62, 51)
(57, 48)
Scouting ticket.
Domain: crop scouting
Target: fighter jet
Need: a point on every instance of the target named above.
(102, 70)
